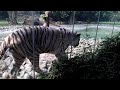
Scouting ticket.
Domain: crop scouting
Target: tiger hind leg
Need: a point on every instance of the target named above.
(19, 59)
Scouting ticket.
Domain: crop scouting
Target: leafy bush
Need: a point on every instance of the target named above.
(3, 15)
(104, 63)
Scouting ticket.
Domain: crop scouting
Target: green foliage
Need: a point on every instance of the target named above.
(3, 23)
(61, 15)
(3, 15)
(106, 15)
(104, 63)
(88, 16)
(102, 33)
(85, 16)
(110, 46)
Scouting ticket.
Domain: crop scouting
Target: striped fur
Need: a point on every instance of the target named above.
(46, 40)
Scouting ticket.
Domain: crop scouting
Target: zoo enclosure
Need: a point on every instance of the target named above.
(91, 24)
(70, 22)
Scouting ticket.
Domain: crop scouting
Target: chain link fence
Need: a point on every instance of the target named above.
(92, 34)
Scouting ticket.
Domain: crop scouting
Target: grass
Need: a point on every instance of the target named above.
(102, 33)
(4, 23)
(91, 32)
(110, 23)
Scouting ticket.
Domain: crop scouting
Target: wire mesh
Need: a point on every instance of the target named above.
(72, 30)
(33, 15)
(85, 37)
(33, 41)
(97, 29)
(113, 26)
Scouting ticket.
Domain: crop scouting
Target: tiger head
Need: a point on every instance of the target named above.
(76, 39)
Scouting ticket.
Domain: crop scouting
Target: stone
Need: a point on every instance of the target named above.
(22, 73)
(18, 77)
(22, 67)
(28, 65)
(28, 69)
(10, 67)
(26, 76)
(4, 67)
(45, 61)
(13, 62)
(32, 74)
(6, 75)
(27, 61)
(8, 61)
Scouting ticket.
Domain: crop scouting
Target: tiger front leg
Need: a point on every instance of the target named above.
(61, 54)
(35, 63)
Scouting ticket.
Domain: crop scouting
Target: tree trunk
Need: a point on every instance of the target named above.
(70, 20)
(47, 13)
(12, 17)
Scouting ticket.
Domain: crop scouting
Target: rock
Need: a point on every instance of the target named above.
(45, 61)
(10, 67)
(8, 61)
(6, 75)
(32, 74)
(1, 72)
(4, 67)
(22, 73)
(26, 76)
(28, 69)
(47, 57)
(12, 63)
(18, 77)
(28, 65)
(22, 67)
(27, 61)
